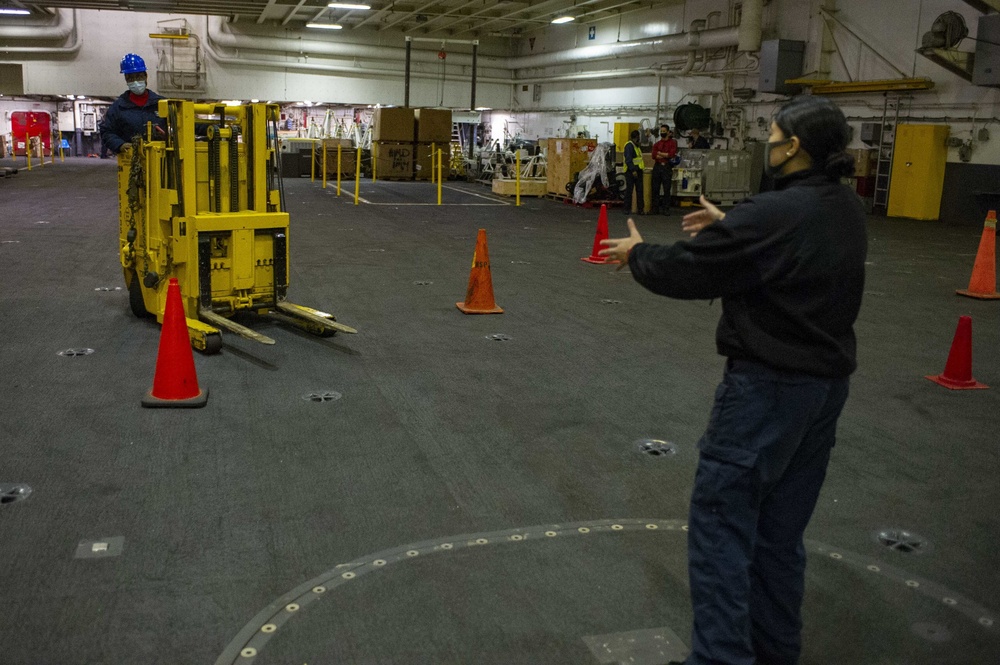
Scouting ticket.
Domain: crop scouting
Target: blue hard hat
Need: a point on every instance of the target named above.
(132, 64)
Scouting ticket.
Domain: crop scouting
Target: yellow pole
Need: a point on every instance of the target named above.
(439, 175)
(357, 179)
(312, 166)
(374, 159)
(27, 150)
(517, 181)
(62, 157)
(338, 169)
(433, 153)
(324, 164)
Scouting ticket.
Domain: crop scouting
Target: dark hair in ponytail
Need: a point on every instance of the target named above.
(823, 133)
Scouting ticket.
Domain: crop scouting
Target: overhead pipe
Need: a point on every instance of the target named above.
(751, 20)
(652, 46)
(318, 67)
(64, 25)
(70, 49)
(675, 43)
(222, 36)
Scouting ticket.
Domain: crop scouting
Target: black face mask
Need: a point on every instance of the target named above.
(773, 171)
(663, 136)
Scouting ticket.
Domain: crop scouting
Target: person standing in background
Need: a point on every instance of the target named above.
(696, 141)
(634, 167)
(664, 151)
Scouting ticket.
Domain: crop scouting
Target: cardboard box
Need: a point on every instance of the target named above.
(529, 187)
(433, 125)
(864, 161)
(564, 160)
(393, 125)
(394, 161)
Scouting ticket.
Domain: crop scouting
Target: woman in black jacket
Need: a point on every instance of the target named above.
(789, 268)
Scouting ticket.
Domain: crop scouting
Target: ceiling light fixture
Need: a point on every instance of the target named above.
(563, 19)
(325, 26)
(17, 12)
(347, 5)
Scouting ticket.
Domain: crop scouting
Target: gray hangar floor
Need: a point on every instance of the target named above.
(467, 499)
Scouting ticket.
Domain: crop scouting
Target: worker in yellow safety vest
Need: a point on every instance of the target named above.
(633, 174)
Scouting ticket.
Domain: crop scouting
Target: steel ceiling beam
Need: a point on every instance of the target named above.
(562, 4)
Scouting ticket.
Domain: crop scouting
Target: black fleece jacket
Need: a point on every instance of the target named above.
(789, 266)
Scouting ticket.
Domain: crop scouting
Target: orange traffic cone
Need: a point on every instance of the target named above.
(175, 383)
(479, 295)
(983, 284)
(957, 373)
(602, 234)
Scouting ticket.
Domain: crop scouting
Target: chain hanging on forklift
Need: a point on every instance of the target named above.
(224, 238)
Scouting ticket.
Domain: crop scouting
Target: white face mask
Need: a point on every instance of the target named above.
(137, 87)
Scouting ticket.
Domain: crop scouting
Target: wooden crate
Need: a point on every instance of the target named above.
(348, 157)
(566, 158)
(529, 187)
(394, 161)
(423, 161)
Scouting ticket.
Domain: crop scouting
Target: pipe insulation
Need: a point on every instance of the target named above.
(70, 49)
(220, 33)
(395, 73)
(751, 21)
(61, 28)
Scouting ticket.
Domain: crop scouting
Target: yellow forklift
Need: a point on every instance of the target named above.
(203, 202)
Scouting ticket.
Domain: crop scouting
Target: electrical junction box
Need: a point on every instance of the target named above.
(780, 60)
(871, 133)
(986, 69)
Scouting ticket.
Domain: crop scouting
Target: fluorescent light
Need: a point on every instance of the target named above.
(563, 19)
(18, 12)
(325, 26)
(347, 5)
(254, 101)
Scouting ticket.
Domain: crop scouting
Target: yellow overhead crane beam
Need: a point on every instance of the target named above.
(828, 87)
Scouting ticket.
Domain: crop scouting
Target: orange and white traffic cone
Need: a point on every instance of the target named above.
(983, 284)
(602, 234)
(479, 294)
(957, 373)
(175, 383)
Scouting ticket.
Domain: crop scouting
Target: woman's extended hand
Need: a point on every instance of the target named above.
(618, 248)
(696, 221)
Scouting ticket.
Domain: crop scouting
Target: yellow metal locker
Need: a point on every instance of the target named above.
(622, 131)
(918, 161)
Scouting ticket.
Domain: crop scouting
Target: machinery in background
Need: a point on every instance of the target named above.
(210, 212)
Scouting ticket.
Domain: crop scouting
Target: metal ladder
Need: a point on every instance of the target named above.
(886, 145)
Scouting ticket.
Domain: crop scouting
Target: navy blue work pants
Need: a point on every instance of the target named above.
(633, 180)
(762, 464)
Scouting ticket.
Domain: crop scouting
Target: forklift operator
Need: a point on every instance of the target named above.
(135, 107)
